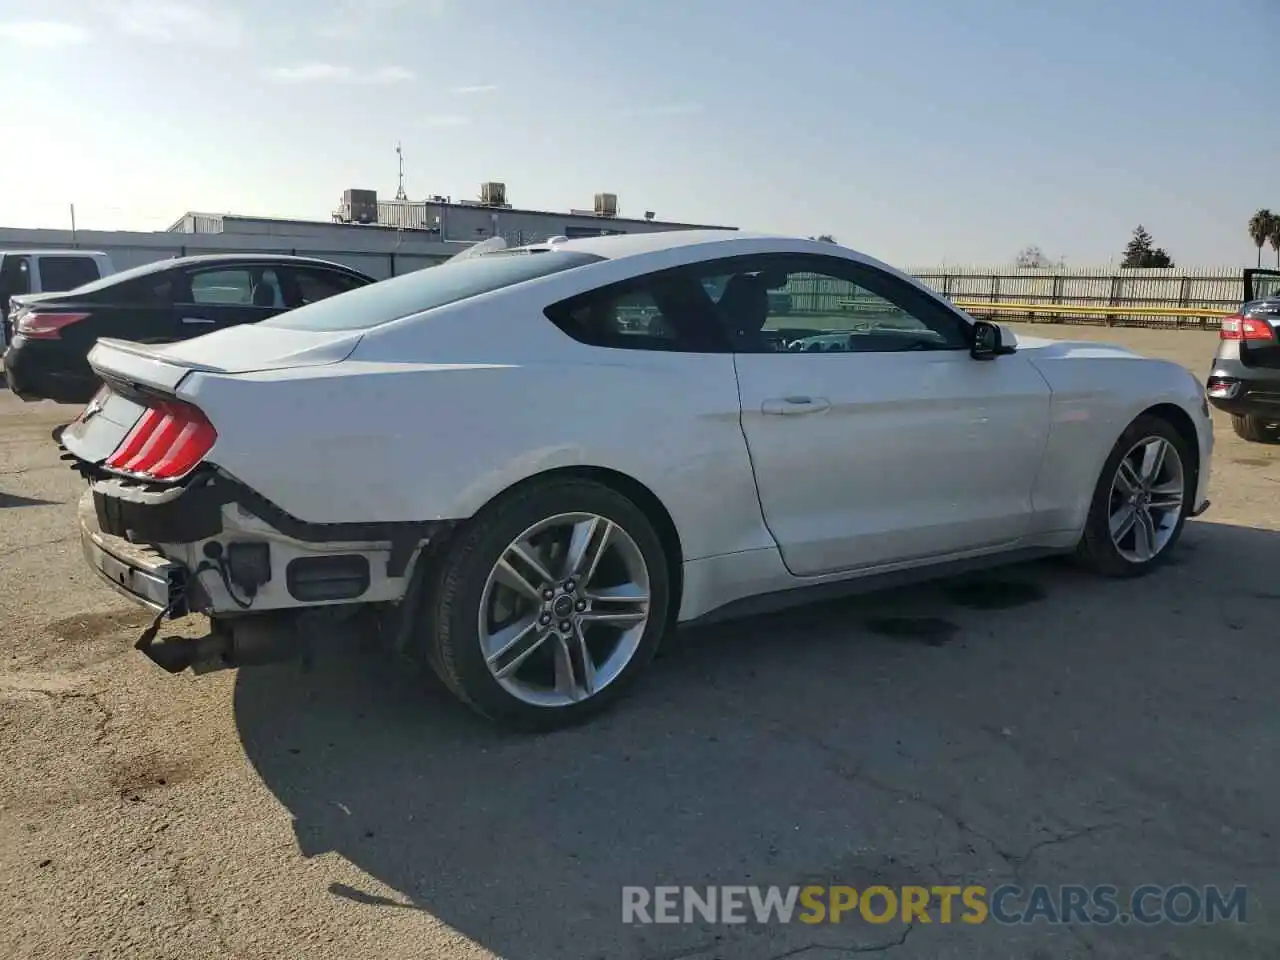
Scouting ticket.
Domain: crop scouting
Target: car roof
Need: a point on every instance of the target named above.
(52, 252)
(205, 258)
(621, 245)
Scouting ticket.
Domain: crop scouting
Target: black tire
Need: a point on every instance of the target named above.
(1096, 550)
(452, 641)
(1253, 429)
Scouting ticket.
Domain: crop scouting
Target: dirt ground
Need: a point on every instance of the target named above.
(1047, 727)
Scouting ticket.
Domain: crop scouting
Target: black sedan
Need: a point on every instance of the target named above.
(157, 303)
(1244, 380)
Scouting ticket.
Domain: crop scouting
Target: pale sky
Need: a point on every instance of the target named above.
(920, 131)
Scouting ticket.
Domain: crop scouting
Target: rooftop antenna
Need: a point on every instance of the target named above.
(400, 194)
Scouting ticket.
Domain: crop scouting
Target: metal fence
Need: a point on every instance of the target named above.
(1215, 290)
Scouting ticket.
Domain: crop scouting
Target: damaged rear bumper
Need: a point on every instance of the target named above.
(139, 572)
(214, 547)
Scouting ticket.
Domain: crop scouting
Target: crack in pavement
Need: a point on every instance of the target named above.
(833, 948)
(683, 953)
(105, 713)
(34, 546)
(93, 697)
(1015, 861)
(191, 910)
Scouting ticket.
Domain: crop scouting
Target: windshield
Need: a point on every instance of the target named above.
(430, 287)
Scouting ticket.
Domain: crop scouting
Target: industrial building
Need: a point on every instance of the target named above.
(445, 220)
(383, 238)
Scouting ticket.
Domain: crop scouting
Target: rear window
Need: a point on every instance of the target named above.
(66, 273)
(425, 289)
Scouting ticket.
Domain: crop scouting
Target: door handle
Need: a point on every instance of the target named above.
(794, 406)
(197, 320)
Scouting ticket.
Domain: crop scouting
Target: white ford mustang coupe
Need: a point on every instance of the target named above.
(529, 464)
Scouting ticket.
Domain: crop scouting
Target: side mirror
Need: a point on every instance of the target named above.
(988, 341)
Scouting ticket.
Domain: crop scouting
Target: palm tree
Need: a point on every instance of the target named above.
(1273, 237)
(1260, 228)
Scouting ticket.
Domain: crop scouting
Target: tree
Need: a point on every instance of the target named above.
(1140, 253)
(1261, 226)
(824, 237)
(1273, 237)
(1031, 258)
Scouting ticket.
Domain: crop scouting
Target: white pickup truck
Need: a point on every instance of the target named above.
(26, 273)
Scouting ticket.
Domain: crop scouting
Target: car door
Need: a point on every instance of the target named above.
(1260, 284)
(213, 297)
(15, 280)
(874, 435)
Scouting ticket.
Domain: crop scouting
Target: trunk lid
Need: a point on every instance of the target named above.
(19, 304)
(249, 348)
(141, 375)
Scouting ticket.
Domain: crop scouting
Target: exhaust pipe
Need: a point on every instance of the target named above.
(248, 641)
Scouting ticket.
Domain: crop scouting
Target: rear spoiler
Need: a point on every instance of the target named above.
(141, 363)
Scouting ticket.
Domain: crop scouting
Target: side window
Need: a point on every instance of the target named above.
(314, 285)
(660, 312)
(66, 273)
(812, 304)
(15, 277)
(238, 286)
(222, 286)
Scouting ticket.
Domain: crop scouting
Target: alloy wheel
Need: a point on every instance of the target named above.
(564, 609)
(1146, 499)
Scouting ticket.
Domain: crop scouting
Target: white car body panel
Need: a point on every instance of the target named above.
(919, 457)
(884, 472)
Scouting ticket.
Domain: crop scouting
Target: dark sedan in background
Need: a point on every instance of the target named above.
(157, 303)
(1245, 378)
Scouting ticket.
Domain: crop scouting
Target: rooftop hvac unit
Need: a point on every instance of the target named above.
(493, 194)
(360, 206)
(606, 204)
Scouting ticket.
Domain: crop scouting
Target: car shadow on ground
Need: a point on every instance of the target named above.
(1030, 724)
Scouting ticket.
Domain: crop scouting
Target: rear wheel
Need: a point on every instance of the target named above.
(1254, 429)
(549, 604)
(1140, 504)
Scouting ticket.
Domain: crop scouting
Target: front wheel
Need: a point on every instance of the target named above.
(549, 604)
(1140, 504)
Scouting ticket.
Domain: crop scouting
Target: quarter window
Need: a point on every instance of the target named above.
(662, 311)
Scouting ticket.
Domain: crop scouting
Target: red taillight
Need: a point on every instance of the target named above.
(46, 326)
(166, 443)
(1238, 327)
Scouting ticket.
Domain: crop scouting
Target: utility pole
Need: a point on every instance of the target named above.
(73, 225)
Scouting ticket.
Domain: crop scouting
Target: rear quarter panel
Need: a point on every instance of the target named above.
(419, 428)
(1098, 390)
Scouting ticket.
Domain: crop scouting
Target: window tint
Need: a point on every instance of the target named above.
(242, 286)
(146, 291)
(66, 273)
(125, 276)
(816, 304)
(318, 284)
(403, 296)
(222, 286)
(667, 310)
(624, 319)
(15, 277)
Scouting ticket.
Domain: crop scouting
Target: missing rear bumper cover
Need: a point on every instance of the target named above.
(193, 512)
